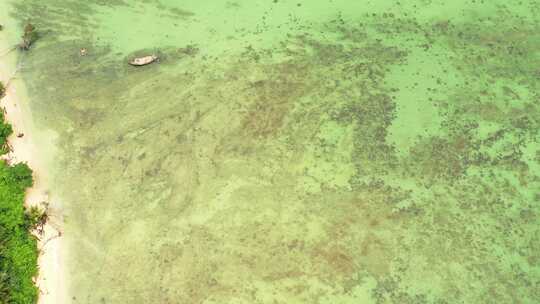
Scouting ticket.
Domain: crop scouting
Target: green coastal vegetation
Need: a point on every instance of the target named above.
(18, 247)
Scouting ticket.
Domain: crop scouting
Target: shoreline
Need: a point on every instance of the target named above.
(51, 275)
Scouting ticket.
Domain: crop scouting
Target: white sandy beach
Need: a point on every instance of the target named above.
(51, 279)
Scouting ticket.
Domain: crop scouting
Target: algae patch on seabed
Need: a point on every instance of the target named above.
(380, 157)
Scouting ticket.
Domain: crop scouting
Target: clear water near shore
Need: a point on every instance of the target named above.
(293, 152)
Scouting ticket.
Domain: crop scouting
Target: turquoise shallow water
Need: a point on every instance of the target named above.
(293, 152)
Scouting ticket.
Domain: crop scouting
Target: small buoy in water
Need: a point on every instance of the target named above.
(143, 60)
(83, 52)
(20, 135)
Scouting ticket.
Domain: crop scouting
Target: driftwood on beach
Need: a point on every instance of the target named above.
(2, 90)
(29, 37)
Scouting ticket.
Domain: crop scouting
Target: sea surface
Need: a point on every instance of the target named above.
(323, 151)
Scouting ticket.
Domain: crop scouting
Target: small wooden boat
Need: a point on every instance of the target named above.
(139, 61)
